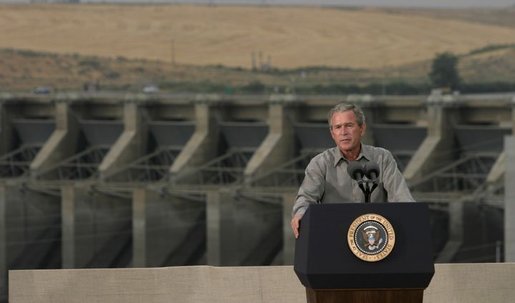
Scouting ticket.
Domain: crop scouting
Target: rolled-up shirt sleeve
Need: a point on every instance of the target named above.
(312, 188)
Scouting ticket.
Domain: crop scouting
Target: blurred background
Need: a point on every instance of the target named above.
(168, 133)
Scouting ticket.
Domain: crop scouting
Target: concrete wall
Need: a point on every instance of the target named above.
(167, 230)
(29, 231)
(95, 228)
(242, 230)
(452, 283)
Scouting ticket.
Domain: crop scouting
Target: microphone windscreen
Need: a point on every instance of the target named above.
(355, 170)
(372, 170)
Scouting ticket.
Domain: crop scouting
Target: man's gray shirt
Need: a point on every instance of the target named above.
(327, 181)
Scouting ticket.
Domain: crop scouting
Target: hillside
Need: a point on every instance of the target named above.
(287, 37)
(24, 70)
(208, 48)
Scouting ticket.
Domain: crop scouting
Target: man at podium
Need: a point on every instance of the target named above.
(331, 176)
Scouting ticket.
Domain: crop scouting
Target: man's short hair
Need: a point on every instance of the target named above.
(343, 107)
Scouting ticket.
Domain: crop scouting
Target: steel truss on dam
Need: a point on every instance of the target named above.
(158, 180)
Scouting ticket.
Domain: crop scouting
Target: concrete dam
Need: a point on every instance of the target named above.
(100, 180)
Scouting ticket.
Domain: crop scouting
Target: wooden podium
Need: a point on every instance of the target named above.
(365, 252)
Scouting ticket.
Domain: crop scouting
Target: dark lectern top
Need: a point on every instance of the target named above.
(323, 259)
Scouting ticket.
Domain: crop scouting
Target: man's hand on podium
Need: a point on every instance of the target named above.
(295, 223)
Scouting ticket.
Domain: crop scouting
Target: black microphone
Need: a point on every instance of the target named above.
(372, 171)
(359, 170)
(356, 170)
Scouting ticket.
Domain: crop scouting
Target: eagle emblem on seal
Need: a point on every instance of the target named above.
(371, 237)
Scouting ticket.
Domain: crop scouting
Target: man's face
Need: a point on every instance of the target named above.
(346, 132)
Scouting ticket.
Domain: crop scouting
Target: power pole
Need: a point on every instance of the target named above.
(173, 52)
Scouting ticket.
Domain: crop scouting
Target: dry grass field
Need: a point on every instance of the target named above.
(228, 35)
(127, 46)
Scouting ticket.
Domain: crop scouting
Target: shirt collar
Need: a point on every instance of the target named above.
(365, 152)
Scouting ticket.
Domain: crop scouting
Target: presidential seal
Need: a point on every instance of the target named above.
(371, 237)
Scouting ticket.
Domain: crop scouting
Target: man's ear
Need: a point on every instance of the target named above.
(363, 129)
